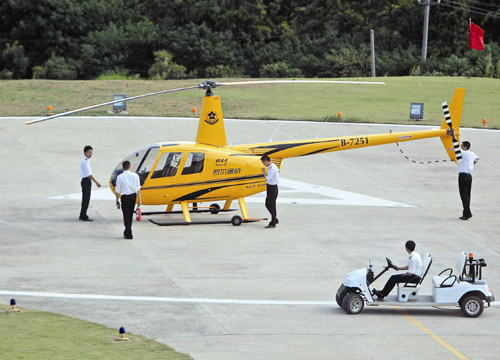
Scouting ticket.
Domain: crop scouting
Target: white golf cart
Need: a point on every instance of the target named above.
(463, 286)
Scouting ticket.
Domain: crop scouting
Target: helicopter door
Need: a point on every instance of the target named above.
(194, 164)
(167, 166)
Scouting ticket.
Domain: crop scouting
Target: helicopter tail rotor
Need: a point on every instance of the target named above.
(451, 122)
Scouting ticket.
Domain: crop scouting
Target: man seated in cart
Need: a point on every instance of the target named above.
(413, 274)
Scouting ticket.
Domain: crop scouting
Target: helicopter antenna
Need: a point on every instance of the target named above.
(320, 130)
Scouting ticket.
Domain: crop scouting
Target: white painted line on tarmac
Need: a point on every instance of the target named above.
(332, 196)
(175, 300)
(167, 299)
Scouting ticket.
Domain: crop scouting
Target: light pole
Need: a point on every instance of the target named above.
(427, 11)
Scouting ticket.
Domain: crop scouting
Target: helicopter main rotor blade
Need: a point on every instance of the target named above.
(301, 82)
(110, 103)
(207, 85)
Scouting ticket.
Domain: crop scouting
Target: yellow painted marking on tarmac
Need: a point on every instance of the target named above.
(440, 341)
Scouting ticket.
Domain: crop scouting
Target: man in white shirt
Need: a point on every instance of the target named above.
(469, 159)
(272, 181)
(413, 274)
(87, 178)
(129, 186)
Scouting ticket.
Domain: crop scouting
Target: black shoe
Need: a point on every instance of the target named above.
(465, 217)
(277, 221)
(87, 219)
(128, 237)
(378, 293)
(270, 226)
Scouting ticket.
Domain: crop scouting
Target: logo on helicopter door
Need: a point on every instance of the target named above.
(211, 118)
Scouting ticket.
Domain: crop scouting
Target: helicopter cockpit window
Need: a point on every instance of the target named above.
(194, 163)
(167, 165)
(147, 163)
(141, 162)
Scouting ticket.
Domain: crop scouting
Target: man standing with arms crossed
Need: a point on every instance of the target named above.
(87, 178)
(469, 159)
(272, 181)
(129, 186)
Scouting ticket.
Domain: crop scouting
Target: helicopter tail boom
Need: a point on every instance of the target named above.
(448, 133)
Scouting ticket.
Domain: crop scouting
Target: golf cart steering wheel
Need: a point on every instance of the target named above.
(390, 264)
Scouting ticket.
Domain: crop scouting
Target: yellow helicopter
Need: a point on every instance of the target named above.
(209, 170)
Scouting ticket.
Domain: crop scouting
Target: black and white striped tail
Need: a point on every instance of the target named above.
(447, 116)
(456, 145)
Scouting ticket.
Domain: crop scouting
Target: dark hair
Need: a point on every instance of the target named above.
(87, 148)
(466, 144)
(265, 158)
(126, 164)
(410, 245)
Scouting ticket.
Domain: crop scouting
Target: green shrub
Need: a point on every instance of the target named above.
(279, 70)
(55, 68)
(221, 71)
(14, 60)
(164, 68)
(5, 75)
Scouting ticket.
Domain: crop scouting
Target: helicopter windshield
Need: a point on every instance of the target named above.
(141, 162)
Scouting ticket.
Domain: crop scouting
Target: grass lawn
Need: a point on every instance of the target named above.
(39, 335)
(388, 103)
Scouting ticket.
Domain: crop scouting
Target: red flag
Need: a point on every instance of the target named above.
(476, 37)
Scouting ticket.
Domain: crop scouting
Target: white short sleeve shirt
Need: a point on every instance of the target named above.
(273, 175)
(85, 168)
(467, 163)
(415, 264)
(127, 183)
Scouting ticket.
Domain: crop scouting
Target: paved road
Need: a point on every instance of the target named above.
(269, 288)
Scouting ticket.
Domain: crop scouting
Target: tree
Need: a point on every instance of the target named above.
(164, 68)
(14, 61)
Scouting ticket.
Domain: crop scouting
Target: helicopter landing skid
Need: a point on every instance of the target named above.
(190, 211)
(236, 221)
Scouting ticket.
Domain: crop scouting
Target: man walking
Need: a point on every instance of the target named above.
(469, 159)
(129, 186)
(87, 178)
(272, 181)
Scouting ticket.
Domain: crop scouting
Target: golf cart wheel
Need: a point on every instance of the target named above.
(214, 209)
(353, 303)
(341, 293)
(472, 306)
(236, 220)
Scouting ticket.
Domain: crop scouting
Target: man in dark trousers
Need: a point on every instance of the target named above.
(129, 186)
(87, 178)
(469, 159)
(272, 180)
(413, 274)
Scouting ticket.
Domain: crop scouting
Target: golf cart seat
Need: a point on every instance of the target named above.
(448, 280)
(409, 291)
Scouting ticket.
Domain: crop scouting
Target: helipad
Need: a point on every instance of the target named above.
(224, 292)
